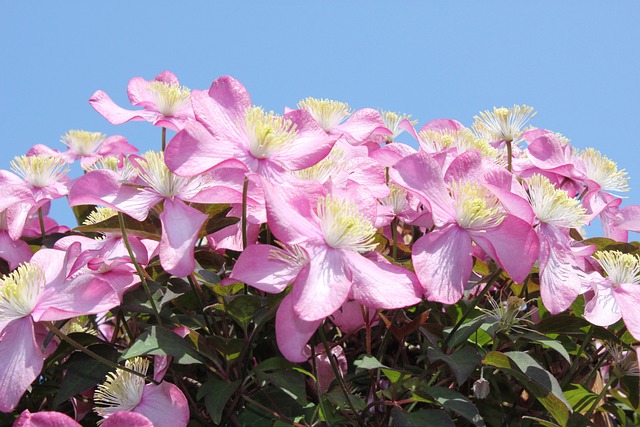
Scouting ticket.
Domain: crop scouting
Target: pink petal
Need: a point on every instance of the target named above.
(310, 145)
(230, 102)
(164, 405)
(127, 419)
(323, 287)
(627, 295)
(180, 227)
(45, 419)
(115, 114)
(114, 145)
(441, 125)
(601, 307)
(499, 242)
(86, 294)
(629, 218)
(293, 333)
(389, 154)
(421, 174)
(22, 362)
(14, 252)
(361, 124)
(261, 267)
(443, 262)
(379, 284)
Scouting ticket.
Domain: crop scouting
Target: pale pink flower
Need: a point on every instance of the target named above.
(164, 102)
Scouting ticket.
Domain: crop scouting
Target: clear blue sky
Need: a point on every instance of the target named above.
(576, 63)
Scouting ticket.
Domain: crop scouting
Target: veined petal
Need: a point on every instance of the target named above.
(379, 284)
(127, 419)
(224, 108)
(361, 124)
(14, 252)
(164, 405)
(499, 242)
(601, 307)
(269, 268)
(195, 150)
(180, 227)
(443, 263)
(293, 333)
(44, 419)
(323, 287)
(101, 187)
(627, 295)
(422, 175)
(22, 362)
(115, 114)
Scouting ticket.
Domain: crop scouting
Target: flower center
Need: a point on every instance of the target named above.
(40, 171)
(327, 113)
(20, 290)
(169, 97)
(121, 165)
(82, 142)
(268, 133)
(604, 171)
(391, 122)
(326, 168)
(122, 390)
(503, 124)
(621, 268)
(98, 215)
(158, 176)
(553, 206)
(292, 255)
(476, 207)
(343, 226)
(397, 199)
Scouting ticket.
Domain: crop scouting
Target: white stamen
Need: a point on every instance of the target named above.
(268, 133)
(343, 226)
(476, 207)
(330, 166)
(82, 142)
(99, 215)
(397, 199)
(553, 206)
(122, 390)
(19, 291)
(391, 122)
(169, 97)
(158, 176)
(604, 171)
(503, 124)
(293, 255)
(327, 113)
(40, 171)
(621, 268)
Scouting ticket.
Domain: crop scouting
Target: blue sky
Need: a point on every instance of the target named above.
(576, 63)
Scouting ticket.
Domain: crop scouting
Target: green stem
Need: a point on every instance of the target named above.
(73, 343)
(576, 360)
(338, 374)
(145, 285)
(245, 187)
(473, 305)
(394, 238)
(197, 289)
(509, 155)
(43, 230)
(164, 138)
(604, 391)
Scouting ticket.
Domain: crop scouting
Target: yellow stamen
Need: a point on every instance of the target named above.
(503, 124)
(268, 133)
(82, 142)
(604, 171)
(391, 122)
(621, 268)
(19, 291)
(40, 171)
(327, 113)
(343, 226)
(169, 97)
(122, 390)
(476, 207)
(553, 206)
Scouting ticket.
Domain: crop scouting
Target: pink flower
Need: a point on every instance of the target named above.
(165, 103)
(465, 211)
(229, 127)
(44, 419)
(35, 292)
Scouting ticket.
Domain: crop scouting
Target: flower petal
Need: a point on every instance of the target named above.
(45, 419)
(164, 405)
(627, 296)
(265, 267)
(293, 333)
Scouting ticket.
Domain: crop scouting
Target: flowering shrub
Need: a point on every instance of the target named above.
(308, 269)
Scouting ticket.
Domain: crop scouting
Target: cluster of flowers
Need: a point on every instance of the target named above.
(328, 182)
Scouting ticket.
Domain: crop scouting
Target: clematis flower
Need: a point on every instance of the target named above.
(45, 176)
(44, 419)
(164, 405)
(464, 211)
(562, 277)
(34, 292)
(165, 102)
(502, 124)
(618, 294)
(86, 146)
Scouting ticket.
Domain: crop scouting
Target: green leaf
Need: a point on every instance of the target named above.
(451, 400)
(571, 325)
(84, 372)
(462, 362)
(337, 398)
(395, 376)
(160, 341)
(368, 362)
(290, 382)
(467, 329)
(580, 398)
(546, 342)
(216, 395)
(243, 308)
(427, 417)
(534, 378)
